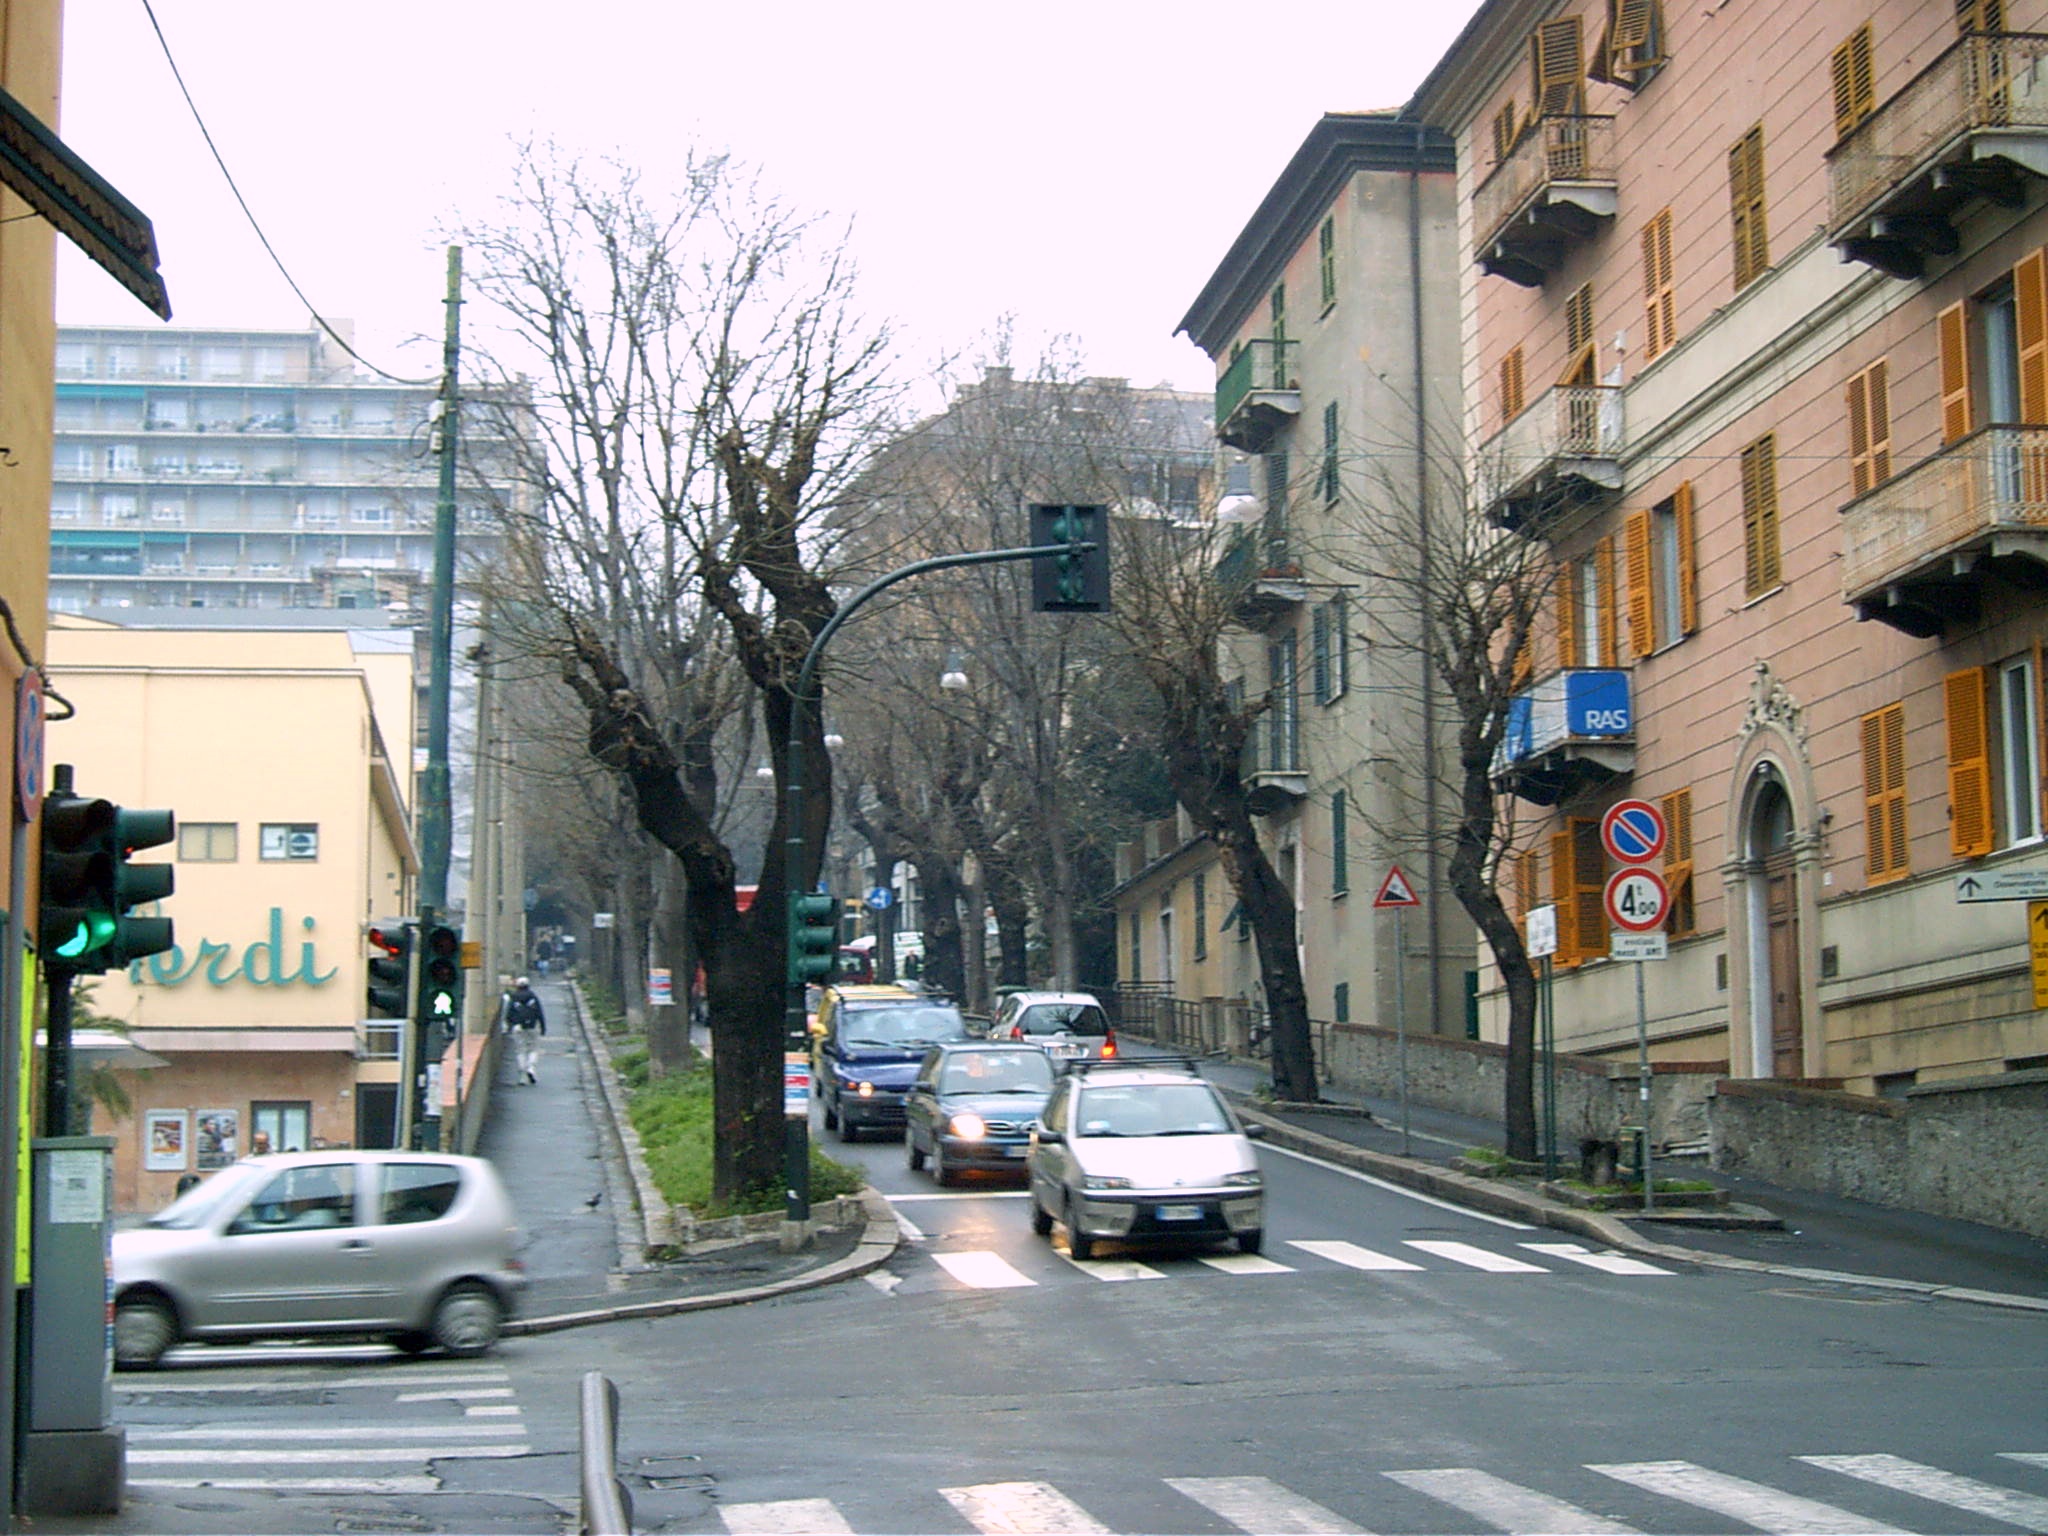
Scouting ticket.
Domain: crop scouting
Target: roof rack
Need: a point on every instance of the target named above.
(1084, 1065)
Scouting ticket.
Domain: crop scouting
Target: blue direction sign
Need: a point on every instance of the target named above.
(1633, 831)
(880, 897)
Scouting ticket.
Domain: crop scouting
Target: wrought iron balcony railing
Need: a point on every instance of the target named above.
(1555, 190)
(1563, 451)
(1258, 394)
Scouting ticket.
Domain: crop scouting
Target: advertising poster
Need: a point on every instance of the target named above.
(167, 1137)
(219, 1137)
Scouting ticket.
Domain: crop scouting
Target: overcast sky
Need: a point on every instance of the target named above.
(1083, 166)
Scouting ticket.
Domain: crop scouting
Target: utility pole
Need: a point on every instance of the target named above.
(422, 1107)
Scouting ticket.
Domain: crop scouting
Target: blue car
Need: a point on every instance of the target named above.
(973, 1105)
(869, 1057)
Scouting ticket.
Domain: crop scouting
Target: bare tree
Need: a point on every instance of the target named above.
(701, 388)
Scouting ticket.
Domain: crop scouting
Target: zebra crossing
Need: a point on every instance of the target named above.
(987, 1269)
(1685, 1496)
(318, 1430)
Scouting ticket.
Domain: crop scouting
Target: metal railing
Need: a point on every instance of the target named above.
(1255, 552)
(1988, 80)
(379, 1039)
(1260, 365)
(1559, 148)
(1997, 477)
(607, 1506)
(1578, 421)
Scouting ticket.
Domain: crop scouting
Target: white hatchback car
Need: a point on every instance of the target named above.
(1067, 1026)
(419, 1247)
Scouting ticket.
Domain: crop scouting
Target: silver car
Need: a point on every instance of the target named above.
(1145, 1151)
(419, 1247)
(1067, 1026)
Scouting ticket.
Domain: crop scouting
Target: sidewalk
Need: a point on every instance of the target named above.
(1821, 1237)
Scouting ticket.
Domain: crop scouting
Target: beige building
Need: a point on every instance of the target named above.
(275, 749)
(1764, 370)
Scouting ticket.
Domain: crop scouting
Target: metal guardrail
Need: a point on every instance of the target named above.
(607, 1507)
(1996, 479)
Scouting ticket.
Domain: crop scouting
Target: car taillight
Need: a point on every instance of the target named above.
(1109, 1045)
(1016, 1031)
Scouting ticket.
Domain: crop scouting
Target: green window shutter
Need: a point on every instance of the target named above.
(1326, 260)
(1319, 653)
(1340, 851)
(1330, 451)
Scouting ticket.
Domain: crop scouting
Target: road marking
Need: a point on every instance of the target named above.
(312, 1383)
(1112, 1269)
(983, 1270)
(354, 1455)
(1477, 1258)
(1259, 1504)
(1351, 1256)
(453, 1394)
(1508, 1505)
(487, 1410)
(1246, 1264)
(1022, 1509)
(1396, 1189)
(779, 1515)
(1752, 1503)
(330, 1432)
(960, 1194)
(883, 1281)
(2027, 1510)
(416, 1483)
(1611, 1263)
(910, 1229)
(2031, 1458)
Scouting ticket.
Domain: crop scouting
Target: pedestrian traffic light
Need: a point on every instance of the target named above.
(1076, 580)
(89, 885)
(813, 936)
(441, 983)
(389, 991)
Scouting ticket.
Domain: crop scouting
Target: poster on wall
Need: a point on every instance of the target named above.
(167, 1139)
(219, 1131)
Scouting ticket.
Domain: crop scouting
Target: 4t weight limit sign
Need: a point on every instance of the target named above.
(1636, 900)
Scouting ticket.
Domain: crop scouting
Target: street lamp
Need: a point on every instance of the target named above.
(953, 679)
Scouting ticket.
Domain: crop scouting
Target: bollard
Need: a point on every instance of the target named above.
(607, 1507)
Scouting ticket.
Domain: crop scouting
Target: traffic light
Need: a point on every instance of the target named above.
(1077, 579)
(389, 991)
(89, 885)
(440, 983)
(813, 936)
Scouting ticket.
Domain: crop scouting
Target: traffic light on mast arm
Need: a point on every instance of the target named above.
(440, 984)
(813, 936)
(389, 992)
(89, 885)
(1077, 579)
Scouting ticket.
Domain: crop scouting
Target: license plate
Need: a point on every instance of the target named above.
(1067, 1050)
(1177, 1212)
(1015, 1151)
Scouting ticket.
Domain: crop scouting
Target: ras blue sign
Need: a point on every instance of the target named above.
(1586, 703)
(1597, 704)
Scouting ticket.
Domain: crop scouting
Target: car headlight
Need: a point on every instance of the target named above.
(1104, 1181)
(968, 1126)
(1251, 1180)
(866, 1090)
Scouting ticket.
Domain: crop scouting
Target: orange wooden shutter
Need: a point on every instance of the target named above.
(1526, 887)
(1642, 589)
(2030, 304)
(1877, 412)
(1859, 434)
(1678, 861)
(1658, 300)
(1557, 69)
(1969, 764)
(1511, 386)
(1761, 569)
(1688, 561)
(1603, 567)
(1884, 793)
(1567, 589)
(1746, 204)
(1589, 889)
(1957, 409)
(1561, 898)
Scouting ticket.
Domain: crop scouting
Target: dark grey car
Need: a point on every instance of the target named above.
(972, 1106)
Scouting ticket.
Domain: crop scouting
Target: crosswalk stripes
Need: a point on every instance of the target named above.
(984, 1269)
(1259, 1504)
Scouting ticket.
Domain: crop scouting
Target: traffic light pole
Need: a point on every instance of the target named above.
(795, 852)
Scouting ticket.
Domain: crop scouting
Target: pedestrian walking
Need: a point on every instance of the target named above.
(522, 1017)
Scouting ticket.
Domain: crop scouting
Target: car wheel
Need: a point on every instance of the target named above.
(1041, 1218)
(942, 1175)
(1251, 1242)
(1077, 1245)
(911, 1153)
(831, 1112)
(144, 1327)
(467, 1319)
(412, 1342)
(848, 1131)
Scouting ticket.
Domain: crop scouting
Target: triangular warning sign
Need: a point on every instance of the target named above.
(1395, 891)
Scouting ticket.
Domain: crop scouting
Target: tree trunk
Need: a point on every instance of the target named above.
(944, 967)
(1013, 916)
(1269, 907)
(668, 1029)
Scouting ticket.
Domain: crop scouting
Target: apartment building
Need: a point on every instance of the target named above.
(1754, 314)
(1332, 321)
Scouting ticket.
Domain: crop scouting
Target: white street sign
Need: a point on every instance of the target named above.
(1540, 932)
(2003, 885)
(1637, 946)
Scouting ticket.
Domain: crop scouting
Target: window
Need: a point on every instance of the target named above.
(1682, 919)
(297, 841)
(1659, 300)
(1761, 569)
(1329, 474)
(2016, 747)
(1166, 957)
(1994, 361)
(1330, 650)
(415, 1192)
(1658, 550)
(1513, 389)
(1137, 942)
(206, 842)
(1849, 69)
(287, 1127)
(1528, 881)
(1507, 132)
(1969, 764)
(1340, 1002)
(1556, 69)
(1279, 313)
(374, 517)
(1587, 630)
(1276, 487)
(123, 459)
(300, 1199)
(1340, 849)
(1283, 711)
(1980, 16)
(1632, 47)
(1870, 429)
(1578, 320)
(1884, 794)
(1578, 881)
(1201, 943)
(1746, 206)
(1326, 260)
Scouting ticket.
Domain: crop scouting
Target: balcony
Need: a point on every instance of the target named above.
(379, 1039)
(1973, 124)
(1275, 777)
(1261, 576)
(1562, 453)
(1552, 194)
(1569, 732)
(1258, 395)
(1919, 551)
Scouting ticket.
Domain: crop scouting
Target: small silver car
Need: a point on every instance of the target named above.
(1144, 1150)
(1067, 1026)
(419, 1247)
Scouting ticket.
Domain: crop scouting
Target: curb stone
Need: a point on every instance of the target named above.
(1488, 1195)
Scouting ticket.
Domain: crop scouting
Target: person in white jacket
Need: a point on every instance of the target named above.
(522, 1017)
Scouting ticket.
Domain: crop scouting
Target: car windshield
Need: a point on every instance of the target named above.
(1151, 1109)
(1014, 1071)
(197, 1205)
(1065, 1019)
(910, 1024)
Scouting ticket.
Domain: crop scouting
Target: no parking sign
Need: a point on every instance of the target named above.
(1632, 831)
